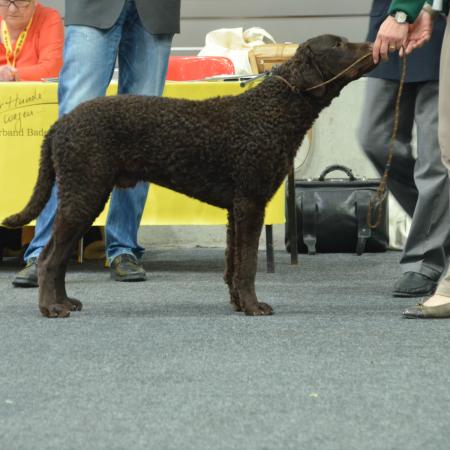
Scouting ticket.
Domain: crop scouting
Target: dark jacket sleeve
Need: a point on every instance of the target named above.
(423, 63)
(412, 7)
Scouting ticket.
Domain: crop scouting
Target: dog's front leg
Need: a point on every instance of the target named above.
(249, 218)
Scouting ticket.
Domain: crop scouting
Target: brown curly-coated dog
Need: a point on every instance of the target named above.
(232, 152)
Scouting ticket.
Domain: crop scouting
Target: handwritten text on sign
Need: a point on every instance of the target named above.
(18, 111)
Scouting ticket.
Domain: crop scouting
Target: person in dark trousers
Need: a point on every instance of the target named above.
(139, 33)
(414, 33)
(420, 185)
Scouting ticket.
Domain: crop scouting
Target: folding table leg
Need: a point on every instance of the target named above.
(292, 217)
(269, 249)
(80, 250)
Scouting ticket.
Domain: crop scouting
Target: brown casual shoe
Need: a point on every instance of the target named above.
(27, 277)
(126, 267)
(427, 312)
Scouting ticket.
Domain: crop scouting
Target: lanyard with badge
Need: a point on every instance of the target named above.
(19, 43)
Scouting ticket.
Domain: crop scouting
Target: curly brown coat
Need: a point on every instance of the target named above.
(232, 152)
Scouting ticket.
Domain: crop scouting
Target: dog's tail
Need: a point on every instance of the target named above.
(42, 188)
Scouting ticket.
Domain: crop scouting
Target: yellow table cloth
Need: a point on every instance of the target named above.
(27, 110)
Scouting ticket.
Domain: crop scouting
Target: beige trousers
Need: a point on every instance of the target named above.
(444, 129)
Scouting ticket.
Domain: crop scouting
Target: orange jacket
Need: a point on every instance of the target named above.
(41, 55)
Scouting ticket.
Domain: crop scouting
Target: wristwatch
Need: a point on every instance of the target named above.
(400, 17)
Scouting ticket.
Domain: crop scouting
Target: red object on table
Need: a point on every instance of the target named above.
(188, 68)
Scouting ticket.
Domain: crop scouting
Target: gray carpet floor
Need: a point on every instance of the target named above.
(166, 364)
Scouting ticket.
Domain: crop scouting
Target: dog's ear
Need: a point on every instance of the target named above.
(308, 72)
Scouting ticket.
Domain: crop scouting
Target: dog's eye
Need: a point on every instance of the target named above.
(338, 44)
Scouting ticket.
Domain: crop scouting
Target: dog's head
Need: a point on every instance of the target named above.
(324, 57)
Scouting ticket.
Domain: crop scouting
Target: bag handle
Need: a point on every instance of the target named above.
(334, 167)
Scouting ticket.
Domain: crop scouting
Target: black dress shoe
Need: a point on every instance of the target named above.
(414, 284)
(127, 268)
(27, 277)
(427, 312)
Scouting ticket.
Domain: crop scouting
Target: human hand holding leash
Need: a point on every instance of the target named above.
(391, 37)
(419, 32)
(405, 37)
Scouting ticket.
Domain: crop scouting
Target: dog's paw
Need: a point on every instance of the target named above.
(60, 310)
(55, 311)
(261, 309)
(73, 304)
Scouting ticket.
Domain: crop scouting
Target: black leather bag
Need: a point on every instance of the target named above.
(332, 215)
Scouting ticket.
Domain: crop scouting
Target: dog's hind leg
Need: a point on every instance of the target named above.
(230, 255)
(249, 218)
(53, 302)
(60, 285)
(52, 264)
(73, 218)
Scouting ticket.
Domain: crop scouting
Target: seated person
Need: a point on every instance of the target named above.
(31, 41)
(31, 44)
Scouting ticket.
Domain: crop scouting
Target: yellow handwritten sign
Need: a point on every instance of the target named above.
(27, 110)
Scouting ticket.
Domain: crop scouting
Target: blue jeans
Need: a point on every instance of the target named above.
(89, 59)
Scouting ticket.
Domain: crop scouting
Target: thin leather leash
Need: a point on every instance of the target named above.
(316, 86)
(324, 83)
(378, 197)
